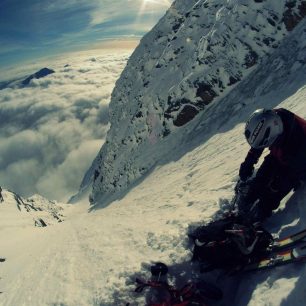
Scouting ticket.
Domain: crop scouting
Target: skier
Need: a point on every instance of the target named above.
(238, 239)
(282, 170)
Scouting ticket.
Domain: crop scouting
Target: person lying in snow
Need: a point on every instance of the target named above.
(282, 170)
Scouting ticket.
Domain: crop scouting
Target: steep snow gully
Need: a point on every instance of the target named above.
(199, 53)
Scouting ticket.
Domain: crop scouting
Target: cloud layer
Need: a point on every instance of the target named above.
(51, 131)
(31, 29)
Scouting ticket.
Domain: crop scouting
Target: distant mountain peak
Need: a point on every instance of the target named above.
(37, 75)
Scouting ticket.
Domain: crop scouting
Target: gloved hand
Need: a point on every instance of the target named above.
(246, 170)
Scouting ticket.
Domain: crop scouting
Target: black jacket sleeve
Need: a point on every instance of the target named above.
(247, 167)
(253, 156)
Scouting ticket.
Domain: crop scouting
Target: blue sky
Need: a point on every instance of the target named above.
(31, 29)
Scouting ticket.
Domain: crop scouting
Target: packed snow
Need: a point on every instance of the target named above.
(94, 254)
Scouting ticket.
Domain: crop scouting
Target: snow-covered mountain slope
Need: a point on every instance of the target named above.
(34, 211)
(198, 54)
(92, 259)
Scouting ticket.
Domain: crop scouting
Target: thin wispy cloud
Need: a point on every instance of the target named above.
(39, 28)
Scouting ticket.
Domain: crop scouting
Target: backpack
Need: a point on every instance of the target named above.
(228, 243)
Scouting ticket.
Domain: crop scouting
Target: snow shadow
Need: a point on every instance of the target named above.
(291, 216)
(238, 289)
(119, 195)
(298, 295)
(289, 219)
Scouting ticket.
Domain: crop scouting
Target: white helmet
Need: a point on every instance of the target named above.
(263, 128)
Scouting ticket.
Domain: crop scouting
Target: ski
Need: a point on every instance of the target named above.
(288, 241)
(278, 258)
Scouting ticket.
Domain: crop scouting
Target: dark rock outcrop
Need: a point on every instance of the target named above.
(37, 75)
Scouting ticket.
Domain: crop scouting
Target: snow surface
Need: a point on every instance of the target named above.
(92, 257)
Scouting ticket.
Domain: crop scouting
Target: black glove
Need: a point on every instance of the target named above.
(246, 170)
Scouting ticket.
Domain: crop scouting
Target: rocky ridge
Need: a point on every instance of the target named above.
(192, 59)
(36, 210)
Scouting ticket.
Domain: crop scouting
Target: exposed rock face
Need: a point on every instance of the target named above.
(195, 56)
(295, 12)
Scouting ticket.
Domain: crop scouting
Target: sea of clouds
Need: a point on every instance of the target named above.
(51, 130)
